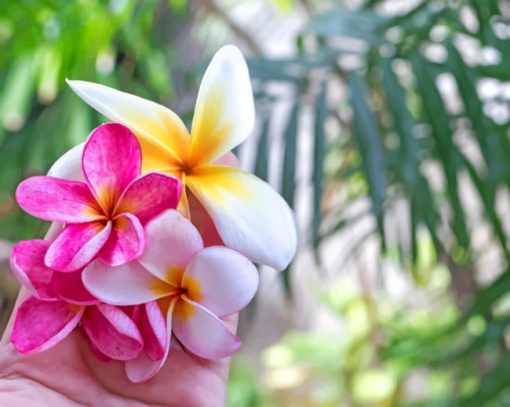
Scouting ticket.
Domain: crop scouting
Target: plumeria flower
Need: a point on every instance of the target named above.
(59, 303)
(185, 289)
(248, 214)
(105, 215)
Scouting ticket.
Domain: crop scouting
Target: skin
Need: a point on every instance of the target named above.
(71, 375)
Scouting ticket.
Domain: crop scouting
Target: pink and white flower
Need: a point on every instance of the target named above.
(105, 215)
(59, 303)
(184, 288)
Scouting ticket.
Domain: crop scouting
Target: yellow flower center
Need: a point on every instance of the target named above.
(174, 288)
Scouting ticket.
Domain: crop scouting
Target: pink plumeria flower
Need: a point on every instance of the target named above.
(180, 281)
(59, 303)
(104, 215)
(249, 215)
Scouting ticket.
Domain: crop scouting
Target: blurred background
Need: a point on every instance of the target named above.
(384, 124)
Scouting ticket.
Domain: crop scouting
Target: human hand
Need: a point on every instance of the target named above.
(71, 375)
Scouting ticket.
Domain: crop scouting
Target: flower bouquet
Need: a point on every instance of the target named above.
(154, 229)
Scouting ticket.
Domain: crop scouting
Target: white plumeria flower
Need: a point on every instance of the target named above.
(250, 217)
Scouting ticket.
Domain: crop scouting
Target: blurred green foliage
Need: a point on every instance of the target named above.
(118, 43)
(382, 131)
(400, 118)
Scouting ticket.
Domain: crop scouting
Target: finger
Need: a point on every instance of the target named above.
(171, 385)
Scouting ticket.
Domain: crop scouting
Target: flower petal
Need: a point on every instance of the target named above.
(77, 245)
(152, 326)
(172, 241)
(249, 215)
(143, 368)
(112, 332)
(149, 195)
(202, 332)
(224, 113)
(27, 265)
(129, 284)
(40, 325)
(68, 166)
(126, 242)
(221, 279)
(98, 354)
(111, 160)
(229, 159)
(210, 234)
(161, 133)
(57, 200)
(70, 288)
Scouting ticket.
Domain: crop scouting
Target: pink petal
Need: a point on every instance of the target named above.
(112, 158)
(132, 311)
(112, 332)
(143, 368)
(221, 279)
(210, 233)
(149, 195)
(152, 326)
(77, 245)
(69, 287)
(202, 332)
(172, 241)
(40, 325)
(27, 264)
(98, 354)
(128, 284)
(126, 242)
(229, 159)
(57, 200)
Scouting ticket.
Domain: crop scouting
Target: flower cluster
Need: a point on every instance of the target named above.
(154, 229)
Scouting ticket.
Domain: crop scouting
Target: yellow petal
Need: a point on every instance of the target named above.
(224, 113)
(162, 135)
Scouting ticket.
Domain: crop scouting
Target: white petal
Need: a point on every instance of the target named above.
(161, 132)
(171, 243)
(68, 166)
(249, 215)
(202, 332)
(221, 279)
(224, 113)
(129, 284)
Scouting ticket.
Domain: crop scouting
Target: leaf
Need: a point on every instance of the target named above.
(289, 174)
(178, 6)
(492, 383)
(486, 193)
(319, 152)
(157, 74)
(369, 142)
(439, 121)
(403, 123)
(485, 298)
(48, 82)
(16, 96)
(421, 202)
(344, 22)
(290, 156)
(489, 138)
(261, 169)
